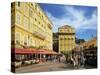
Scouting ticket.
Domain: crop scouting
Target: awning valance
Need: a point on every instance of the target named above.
(32, 51)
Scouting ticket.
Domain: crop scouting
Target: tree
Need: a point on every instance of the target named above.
(79, 41)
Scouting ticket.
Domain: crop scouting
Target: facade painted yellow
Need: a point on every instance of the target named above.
(66, 38)
(30, 25)
(89, 44)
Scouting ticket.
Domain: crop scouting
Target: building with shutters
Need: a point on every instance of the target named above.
(30, 26)
(66, 36)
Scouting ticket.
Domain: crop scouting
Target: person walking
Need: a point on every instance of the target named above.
(75, 62)
(59, 59)
(83, 61)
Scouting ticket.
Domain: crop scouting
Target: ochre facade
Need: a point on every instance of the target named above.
(66, 38)
(30, 26)
(89, 44)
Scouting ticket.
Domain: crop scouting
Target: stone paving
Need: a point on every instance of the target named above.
(45, 67)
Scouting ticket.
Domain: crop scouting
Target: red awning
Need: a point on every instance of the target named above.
(24, 51)
(45, 51)
(32, 51)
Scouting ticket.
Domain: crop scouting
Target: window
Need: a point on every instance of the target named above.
(25, 40)
(42, 25)
(17, 37)
(35, 7)
(31, 12)
(12, 20)
(35, 19)
(65, 38)
(31, 4)
(61, 30)
(31, 26)
(39, 13)
(61, 39)
(72, 38)
(68, 30)
(42, 16)
(18, 18)
(11, 5)
(91, 46)
(39, 22)
(68, 38)
(28, 37)
(30, 41)
(25, 23)
(18, 4)
(84, 47)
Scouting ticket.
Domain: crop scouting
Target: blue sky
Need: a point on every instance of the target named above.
(82, 18)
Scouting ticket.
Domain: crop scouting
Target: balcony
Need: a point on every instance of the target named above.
(39, 34)
(49, 26)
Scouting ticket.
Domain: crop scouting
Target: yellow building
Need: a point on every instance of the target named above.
(89, 44)
(66, 38)
(30, 26)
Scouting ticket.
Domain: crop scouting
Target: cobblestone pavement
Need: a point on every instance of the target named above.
(45, 67)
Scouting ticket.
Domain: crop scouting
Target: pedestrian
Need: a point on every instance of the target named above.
(75, 62)
(51, 58)
(79, 60)
(59, 59)
(71, 60)
(48, 58)
(83, 61)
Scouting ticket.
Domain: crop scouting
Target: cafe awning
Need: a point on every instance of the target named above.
(45, 51)
(24, 51)
(32, 51)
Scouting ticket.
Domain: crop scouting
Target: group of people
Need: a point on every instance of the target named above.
(77, 61)
(57, 58)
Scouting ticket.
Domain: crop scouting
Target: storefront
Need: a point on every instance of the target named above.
(31, 56)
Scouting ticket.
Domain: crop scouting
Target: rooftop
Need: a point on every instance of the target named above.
(66, 26)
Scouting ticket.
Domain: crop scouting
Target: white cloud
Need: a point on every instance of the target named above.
(74, 18)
